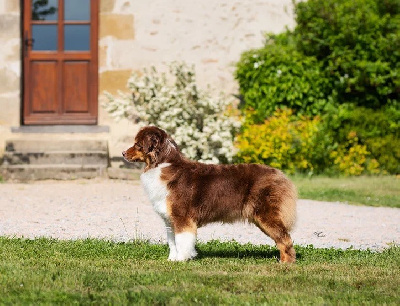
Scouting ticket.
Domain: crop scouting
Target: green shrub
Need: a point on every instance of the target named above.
(357, 42)
(342, 63)
(344, 51)
(278, 76)
(350, 140)
(386, 150)
(351, 158)
(378, 130)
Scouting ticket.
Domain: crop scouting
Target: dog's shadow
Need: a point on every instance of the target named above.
(235, 250)
(238, 254)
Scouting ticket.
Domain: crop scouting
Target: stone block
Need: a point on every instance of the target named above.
(106, 6)
(123, 174)
(12, 6)
(114, 80)
(15, 48)
(9, 81)
(9, 26)
(119, 26)
(10, 110)
(103, 56)
(28, 173)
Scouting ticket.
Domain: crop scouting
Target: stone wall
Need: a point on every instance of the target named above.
(210, 34)
(10, 67)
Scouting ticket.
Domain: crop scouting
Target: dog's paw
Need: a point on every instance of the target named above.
(186, 256)
(193, 254)
(172, 256)
(182, 257)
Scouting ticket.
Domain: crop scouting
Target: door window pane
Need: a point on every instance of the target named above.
(77, 9)
(44, 37)
(76, 37)
(44, 9)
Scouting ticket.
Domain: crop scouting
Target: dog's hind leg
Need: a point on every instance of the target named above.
(278, 232)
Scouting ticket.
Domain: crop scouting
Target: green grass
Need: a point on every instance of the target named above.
(44, 271)
(366, 190)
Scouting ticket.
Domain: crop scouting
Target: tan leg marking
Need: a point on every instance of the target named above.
(276, 230)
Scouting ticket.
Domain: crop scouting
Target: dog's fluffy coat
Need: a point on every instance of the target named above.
(188, 194)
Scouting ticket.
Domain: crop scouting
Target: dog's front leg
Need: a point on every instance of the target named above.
(185, 245)
(171, 241)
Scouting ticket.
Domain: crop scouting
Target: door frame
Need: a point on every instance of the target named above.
(89, 118)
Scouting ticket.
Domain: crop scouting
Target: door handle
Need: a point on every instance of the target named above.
(28, 42)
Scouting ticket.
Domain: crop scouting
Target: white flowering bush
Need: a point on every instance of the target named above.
(203, 126)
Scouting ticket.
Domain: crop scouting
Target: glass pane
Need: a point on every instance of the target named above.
(44, 9)
(44, 37)
(77, 37)
(77, 10)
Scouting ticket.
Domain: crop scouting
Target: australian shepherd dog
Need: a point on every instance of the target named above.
(188, 194)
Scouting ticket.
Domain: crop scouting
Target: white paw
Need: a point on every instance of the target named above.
(185, 246)
(186, 256)
(173, 256)
(193, 254)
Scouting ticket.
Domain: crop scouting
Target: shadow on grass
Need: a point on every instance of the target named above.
(238, 254)
(236, 250)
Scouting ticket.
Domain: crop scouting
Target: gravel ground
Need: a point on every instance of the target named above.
(120, 211)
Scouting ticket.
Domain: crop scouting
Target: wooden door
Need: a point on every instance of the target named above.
(60, 62)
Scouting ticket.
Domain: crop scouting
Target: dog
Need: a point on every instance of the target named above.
(189, 194)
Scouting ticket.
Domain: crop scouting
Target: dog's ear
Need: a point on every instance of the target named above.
(174, 144)
(150, 143)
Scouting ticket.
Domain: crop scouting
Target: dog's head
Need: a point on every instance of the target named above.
(152, 146)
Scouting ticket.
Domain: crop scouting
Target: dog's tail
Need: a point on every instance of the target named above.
(288, 205)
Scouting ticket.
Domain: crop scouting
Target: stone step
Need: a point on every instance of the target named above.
(23, 145)
(56, 157)
(124, 174)
(55, 172)
(28, 159)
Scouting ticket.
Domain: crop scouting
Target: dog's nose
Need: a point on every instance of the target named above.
(123, 153)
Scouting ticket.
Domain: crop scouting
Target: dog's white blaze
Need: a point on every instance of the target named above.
(185, 243)
(156, 189)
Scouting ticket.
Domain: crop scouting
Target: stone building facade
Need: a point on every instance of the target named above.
(132, 34)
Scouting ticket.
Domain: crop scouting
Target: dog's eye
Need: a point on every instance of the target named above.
(138, 146)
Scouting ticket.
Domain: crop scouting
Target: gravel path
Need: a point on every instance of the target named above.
(119, 210)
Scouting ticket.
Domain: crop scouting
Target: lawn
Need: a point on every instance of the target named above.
(366, 190)
(44, 271)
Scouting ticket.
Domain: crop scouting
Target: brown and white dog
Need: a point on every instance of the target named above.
(189, 194)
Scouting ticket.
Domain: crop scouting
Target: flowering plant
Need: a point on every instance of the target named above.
(283, 141)
(203, 126)
(351, 158)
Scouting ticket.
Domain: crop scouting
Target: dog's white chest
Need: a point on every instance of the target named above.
(156, 189)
